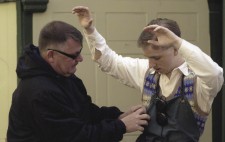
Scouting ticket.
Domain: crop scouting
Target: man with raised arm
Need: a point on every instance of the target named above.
(178, 81)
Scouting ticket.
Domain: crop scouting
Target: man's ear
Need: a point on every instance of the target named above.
(50, 56)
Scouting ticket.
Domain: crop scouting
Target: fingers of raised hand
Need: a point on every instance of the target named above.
(80, 10)
(150, 28)
(156, 29)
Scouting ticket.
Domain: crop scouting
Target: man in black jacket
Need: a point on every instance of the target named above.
(51, 104)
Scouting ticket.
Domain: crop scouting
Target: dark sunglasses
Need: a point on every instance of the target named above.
(161, 107)
(72, 56)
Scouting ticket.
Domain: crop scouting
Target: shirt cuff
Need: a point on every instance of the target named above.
(96, 43)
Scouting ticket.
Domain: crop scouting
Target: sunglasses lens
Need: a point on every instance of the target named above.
(161, 105)
(162, 119)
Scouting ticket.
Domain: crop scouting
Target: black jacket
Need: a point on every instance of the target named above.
(48, 107)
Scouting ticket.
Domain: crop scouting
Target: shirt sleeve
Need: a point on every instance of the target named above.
(130, 71)
(209, 74)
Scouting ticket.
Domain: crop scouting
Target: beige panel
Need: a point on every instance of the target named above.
(120, 22)
(8, 52)
(126, 28)
(122, 33)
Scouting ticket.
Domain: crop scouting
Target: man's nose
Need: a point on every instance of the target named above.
(79, 58)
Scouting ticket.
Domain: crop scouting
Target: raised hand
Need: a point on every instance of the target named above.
(136, 120)
(165, 37)
(84, 16)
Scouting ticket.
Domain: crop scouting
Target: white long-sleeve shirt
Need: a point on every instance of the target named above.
(131, 71)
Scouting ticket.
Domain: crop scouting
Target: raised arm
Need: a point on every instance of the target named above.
(129, 71)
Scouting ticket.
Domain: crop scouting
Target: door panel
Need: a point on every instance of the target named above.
(8, 58)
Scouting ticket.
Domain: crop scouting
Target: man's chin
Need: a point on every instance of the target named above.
(74, 69)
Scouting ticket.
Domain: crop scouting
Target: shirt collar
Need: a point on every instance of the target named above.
(183, 68)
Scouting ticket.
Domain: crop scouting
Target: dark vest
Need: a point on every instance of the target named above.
(171, 120)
